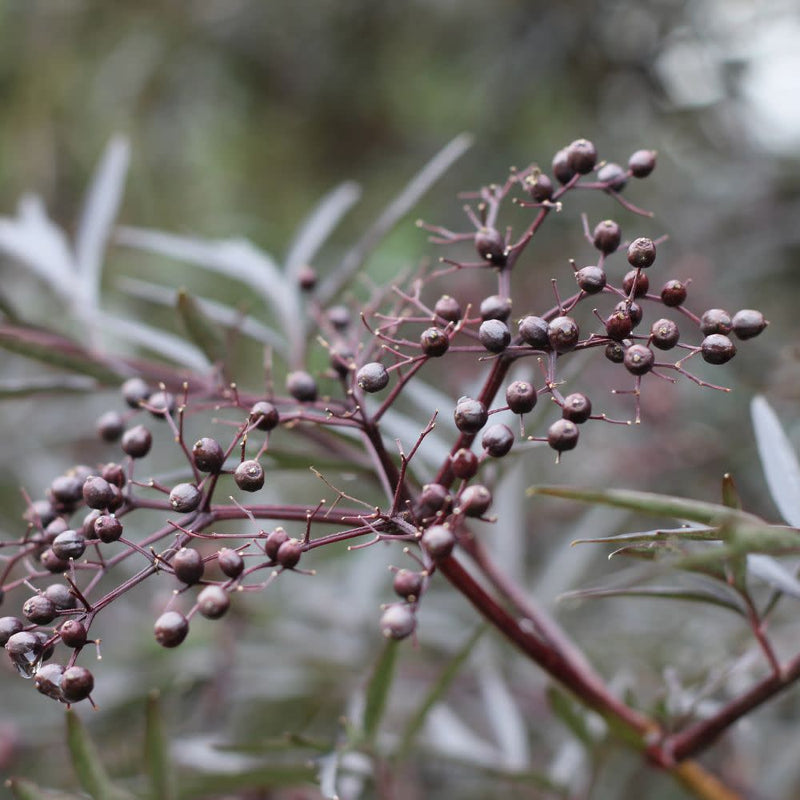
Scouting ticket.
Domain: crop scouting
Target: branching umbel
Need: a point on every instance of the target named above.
(59, 569)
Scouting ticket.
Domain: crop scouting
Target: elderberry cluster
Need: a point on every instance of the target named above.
(86, 524)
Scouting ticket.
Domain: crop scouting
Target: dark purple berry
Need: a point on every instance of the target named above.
(534, 331)
(372, 377)
(87, 526)
(563, 334)
(61, 596)
(160, 404)
(339, 317)
(521, 397)
(641, 253)
(619, 326)
(185, 497)
(673, 294)
(748, 323)
(8, 627)
(582, 156)
(230, 562)
(208, 455)
(48, 680)
(447, 308)
(26, 651)
(39, 609)
(188, 565)
(639, 359)
(114, 474)
(438, 541)
(274, 541)
(433, 497)
(137, 442)
(289, 553)
(171, 629)
(636, 282)
(562, 435)
(213, 602)
(470, 415)
(591, 279)
(497, 440)
(494, 335)
(307, 278)
(613, 176)
(491, 246)
(577, 408)
(135, 391)
(474, 501)
(110, 426)
(607, 236)
(634, 310)
(69, 544)
(408, 584)
(495, 307)
(52, 563)
(716, 320)
(40, 513)
(434, 342)
(717, 349)
(397, 621)
(539, 186)
(264, 416)
(464, 464)
(58, 525)
(664, 334)
(562, 170)
(302, 386)
(342, 360)
(76, 684)
(66, 490)
(642, 163)
(73, 633)
(249, 476)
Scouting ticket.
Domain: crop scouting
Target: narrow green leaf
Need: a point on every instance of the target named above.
(665, 592)
(157, 761)
(26, 790)
(87, 763)
(202, 330)
(56, 384)
(210, 784)
(702, 534)
(57, 351)
(436, 693)
(380, 683)
(571, 715)
(649, 503)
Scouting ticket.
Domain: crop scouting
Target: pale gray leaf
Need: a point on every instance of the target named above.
(504, 716)
(392, 214)
(34, 240)
(318, 225)
(778, 460)
(447, 734)
(327, 772)
(774, 573)
(100, 209)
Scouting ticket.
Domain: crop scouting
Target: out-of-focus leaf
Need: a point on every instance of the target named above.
(156, 747)
(778, 460)
(202, 330)
(661, 534)
(706, 595)
(8, 310)
(167, 345)
(572, 715)
(26, 790)
(210, 784)
(378, 688)
(774, 573)
(437, 692)
(88, 765)
(730, 494)
(222, 314)
(449, 735)
(35, 241)
(318, 225)
(391, 215)
(55, 350)
(656, 504)
(505, 717)
(57, 384)
(327, 773)
(99, 212)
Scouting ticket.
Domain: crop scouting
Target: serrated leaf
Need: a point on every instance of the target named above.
(202, 330)
(660, 592)
(378, 688)
(27, 790)
(100, 209)
(654, 504)
(778, 460)
(55, 350)
(87, 763)
(437, 692)
(391, 215)
(157, 758)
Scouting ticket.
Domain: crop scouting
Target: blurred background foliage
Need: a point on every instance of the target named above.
(242, 114)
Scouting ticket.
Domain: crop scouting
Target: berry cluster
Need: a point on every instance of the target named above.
(86, 524)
